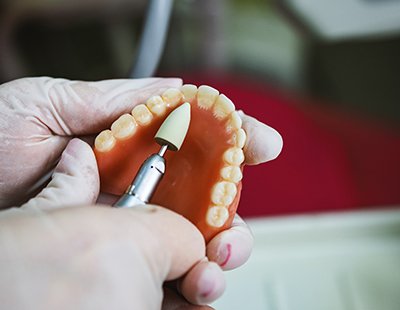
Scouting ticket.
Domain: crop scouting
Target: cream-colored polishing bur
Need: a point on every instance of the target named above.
(173, 130)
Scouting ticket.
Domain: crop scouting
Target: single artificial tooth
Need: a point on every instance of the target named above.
(223, 193)
(231, 173)
(189, 92)
(235, 122)
(234, 156)
(217, 216)
(206, 96)
(223, 107)
(156, 105)
(239, 138)
(124, 127)
(104, 141)
(172, 97)
(142, 114)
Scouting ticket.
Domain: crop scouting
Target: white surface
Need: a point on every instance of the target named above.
(348, 261)
(336, 19)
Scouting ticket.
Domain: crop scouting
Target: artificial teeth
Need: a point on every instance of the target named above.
(189, 92)
(234, 156)
(217, 216)
(104, 141)
(223, 107)
(156, 105)
(206, 96)
(235, 122)
(172, 97)
(124, 127)
(231, 173)
(142, 115)
(223, 193)
(239, 138)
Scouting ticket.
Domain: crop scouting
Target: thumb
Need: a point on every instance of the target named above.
(263, 143)
(75, 180)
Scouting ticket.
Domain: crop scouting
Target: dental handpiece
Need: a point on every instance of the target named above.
(170, 136)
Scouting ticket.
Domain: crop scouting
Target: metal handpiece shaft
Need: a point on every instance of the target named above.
(145, 183)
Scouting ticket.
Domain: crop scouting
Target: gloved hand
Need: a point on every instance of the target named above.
(95, 253)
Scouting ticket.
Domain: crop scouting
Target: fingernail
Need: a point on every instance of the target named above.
(211, 284)
(224, 254)
(234, 249)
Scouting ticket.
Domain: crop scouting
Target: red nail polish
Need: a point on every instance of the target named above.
(226, 255)
(206, 293)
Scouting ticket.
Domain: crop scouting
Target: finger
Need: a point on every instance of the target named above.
(263, 143)
(75, 180)
(171, 244)
(81, 108)
(203, 284)
(174, 301)
(124, 254)
(231, 248)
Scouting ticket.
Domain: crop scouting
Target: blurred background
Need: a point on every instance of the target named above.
(324, 73)
(345, 52)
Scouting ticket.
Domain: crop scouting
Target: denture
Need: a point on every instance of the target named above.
(203, 179)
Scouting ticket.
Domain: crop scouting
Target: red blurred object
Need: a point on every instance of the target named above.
(331, 161)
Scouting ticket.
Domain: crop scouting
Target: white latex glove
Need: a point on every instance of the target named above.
(101, 248)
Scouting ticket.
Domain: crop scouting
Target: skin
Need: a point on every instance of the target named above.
(97, 257)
